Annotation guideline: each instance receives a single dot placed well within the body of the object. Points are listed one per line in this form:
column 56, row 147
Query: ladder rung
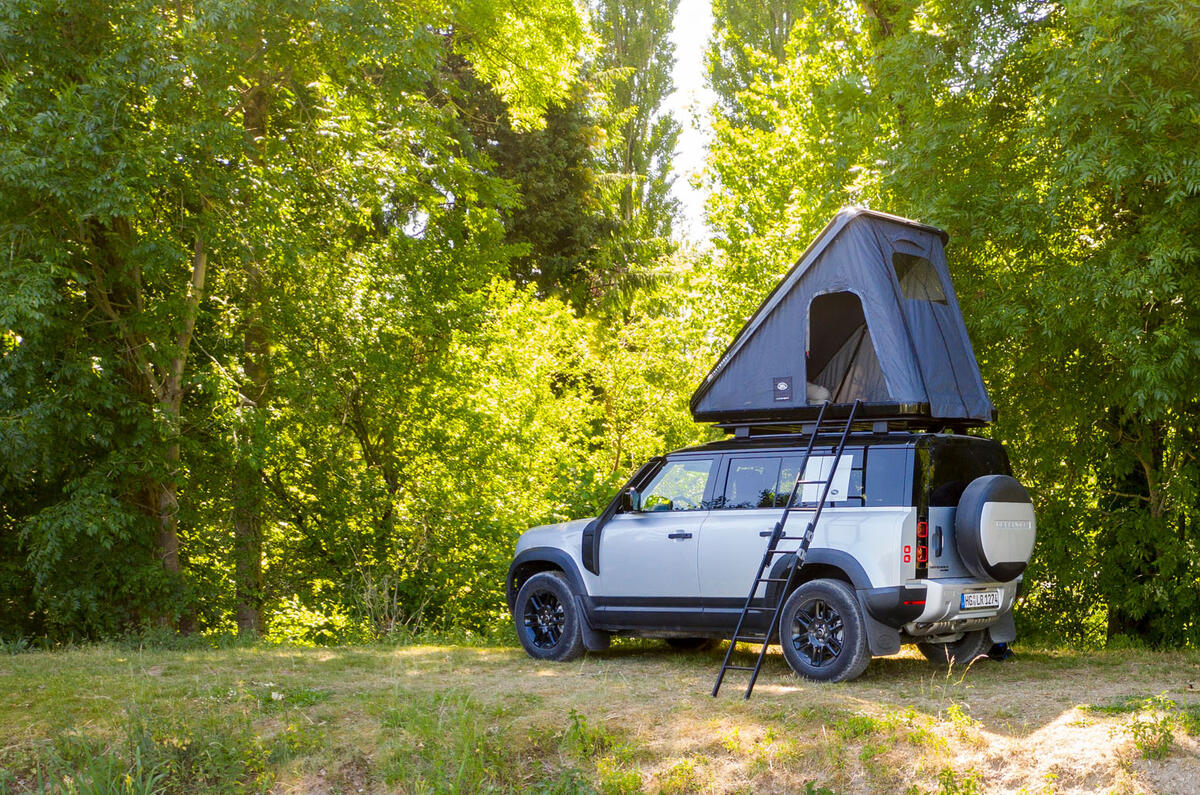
column 739, row 667
column 772, row 579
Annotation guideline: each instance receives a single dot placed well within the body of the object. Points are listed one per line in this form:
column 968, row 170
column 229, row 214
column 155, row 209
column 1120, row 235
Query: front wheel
column 960, row 652
column 548, row 622
column 822, row 632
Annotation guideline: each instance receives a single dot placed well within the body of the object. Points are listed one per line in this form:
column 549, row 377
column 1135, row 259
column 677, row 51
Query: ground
column 455, row 718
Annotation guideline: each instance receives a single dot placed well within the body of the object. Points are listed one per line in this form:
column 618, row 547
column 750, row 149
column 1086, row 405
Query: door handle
column 679, row 535
column 765, row 533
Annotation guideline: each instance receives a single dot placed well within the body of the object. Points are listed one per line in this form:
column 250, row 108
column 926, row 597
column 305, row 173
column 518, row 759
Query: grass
column 431, row 718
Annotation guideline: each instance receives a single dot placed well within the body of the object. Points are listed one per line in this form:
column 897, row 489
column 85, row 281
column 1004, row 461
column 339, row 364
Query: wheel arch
column 536, row 560
column 833, row 564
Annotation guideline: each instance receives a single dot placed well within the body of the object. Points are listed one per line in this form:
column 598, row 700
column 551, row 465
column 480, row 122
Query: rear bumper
column 943, row 611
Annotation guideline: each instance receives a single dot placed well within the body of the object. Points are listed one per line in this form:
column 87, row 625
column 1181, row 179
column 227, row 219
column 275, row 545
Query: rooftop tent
column 868, row 313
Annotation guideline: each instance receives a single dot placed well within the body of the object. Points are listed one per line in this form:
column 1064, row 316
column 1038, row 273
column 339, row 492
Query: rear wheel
column 822, row 632
column 548, row 622
column 958, row 652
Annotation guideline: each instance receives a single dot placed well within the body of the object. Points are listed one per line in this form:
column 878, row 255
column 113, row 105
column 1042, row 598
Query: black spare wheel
column 994, row 528
column 547, row 619
column 822, row 633
column 958, row 652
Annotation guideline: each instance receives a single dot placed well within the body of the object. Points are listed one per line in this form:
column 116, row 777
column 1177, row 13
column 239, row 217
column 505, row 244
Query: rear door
column 747, row 502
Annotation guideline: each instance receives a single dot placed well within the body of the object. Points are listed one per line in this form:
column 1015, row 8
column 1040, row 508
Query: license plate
column 977, row 600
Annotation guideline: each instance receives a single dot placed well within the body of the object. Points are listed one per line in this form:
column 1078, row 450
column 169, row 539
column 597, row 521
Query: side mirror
column 630, row 500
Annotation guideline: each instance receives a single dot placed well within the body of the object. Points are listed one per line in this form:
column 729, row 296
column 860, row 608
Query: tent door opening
column 842, row 363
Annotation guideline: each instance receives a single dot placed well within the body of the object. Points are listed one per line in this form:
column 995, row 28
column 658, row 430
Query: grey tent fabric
column 868, row 313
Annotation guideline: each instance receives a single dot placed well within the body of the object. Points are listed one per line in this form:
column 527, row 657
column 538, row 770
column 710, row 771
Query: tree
column 747, row 36
column 1049, row 140
column 172, row 177
column 633, row 65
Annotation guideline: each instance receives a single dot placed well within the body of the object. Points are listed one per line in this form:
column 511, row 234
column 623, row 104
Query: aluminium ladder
column 777, row 535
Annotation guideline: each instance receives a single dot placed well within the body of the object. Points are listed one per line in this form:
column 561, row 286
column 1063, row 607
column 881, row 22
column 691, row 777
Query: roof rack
column 871, row 418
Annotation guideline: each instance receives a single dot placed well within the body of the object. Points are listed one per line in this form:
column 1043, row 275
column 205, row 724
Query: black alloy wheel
column 545, row 618
column 822, row 632
column 818, row 632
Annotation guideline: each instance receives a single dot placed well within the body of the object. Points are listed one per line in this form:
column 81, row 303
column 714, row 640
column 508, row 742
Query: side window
column 918, row 278
column 888, row 477
column 847, row 487
column 678, row 486
column 751, row 483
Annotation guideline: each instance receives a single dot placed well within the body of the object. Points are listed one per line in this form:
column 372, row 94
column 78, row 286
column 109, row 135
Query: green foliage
column 950, row 783
column 1051, row 143
column 193, row 200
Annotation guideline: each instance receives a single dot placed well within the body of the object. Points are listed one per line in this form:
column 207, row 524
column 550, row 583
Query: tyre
column 959, row 652
column 547, row 618
column 693, row 644
column 994, row 528
column 822, row 632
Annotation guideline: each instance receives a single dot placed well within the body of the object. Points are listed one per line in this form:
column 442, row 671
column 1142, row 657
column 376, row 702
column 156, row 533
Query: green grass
column 419, row 717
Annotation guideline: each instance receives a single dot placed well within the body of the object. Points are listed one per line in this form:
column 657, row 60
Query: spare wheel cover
column 994, row 527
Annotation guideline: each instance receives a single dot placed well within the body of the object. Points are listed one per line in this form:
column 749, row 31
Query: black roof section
column 867, row 313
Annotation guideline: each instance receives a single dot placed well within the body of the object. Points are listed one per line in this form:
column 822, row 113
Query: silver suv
column 923, row 539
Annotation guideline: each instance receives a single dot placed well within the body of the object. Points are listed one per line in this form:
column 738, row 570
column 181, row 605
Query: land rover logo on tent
column 783, row 387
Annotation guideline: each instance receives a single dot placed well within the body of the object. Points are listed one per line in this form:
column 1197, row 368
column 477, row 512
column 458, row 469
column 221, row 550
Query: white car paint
column 731, row 547
column 639, row 558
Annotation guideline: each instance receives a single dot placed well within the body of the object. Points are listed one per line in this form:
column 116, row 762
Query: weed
column 1131, row 704
column 813, row 788
column 680, row 777
column 615, row 779
column 870, row 751
column 950, row 784
column 1154, row 729
column 585, row 740
column 1189, row 719
column 959, row 718
column 211, row 751
column 855, row 726
column 272, row 697
column 17, row 645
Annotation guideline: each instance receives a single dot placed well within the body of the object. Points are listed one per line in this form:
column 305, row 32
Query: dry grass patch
column 432, row 718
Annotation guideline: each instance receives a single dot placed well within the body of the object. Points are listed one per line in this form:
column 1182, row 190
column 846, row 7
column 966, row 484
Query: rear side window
column 847, row 487
column 949, row 465
column 888, row 482
column 750, row 483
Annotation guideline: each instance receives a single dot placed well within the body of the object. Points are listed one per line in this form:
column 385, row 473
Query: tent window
column 842, row 363
column 918, row 278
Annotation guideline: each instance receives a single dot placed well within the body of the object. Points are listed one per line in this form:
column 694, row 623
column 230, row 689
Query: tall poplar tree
column 633, row 65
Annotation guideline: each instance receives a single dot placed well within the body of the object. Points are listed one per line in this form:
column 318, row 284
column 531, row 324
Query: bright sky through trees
column 690, row 103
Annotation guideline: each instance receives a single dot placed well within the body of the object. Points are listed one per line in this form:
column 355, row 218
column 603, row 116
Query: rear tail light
column 922, row 548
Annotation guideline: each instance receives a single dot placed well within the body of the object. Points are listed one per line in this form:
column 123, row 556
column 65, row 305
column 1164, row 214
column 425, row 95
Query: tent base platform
column 880, row 417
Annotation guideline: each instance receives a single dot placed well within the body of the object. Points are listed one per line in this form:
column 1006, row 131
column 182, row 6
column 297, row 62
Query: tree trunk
column 255, row 394
column 248, row 471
